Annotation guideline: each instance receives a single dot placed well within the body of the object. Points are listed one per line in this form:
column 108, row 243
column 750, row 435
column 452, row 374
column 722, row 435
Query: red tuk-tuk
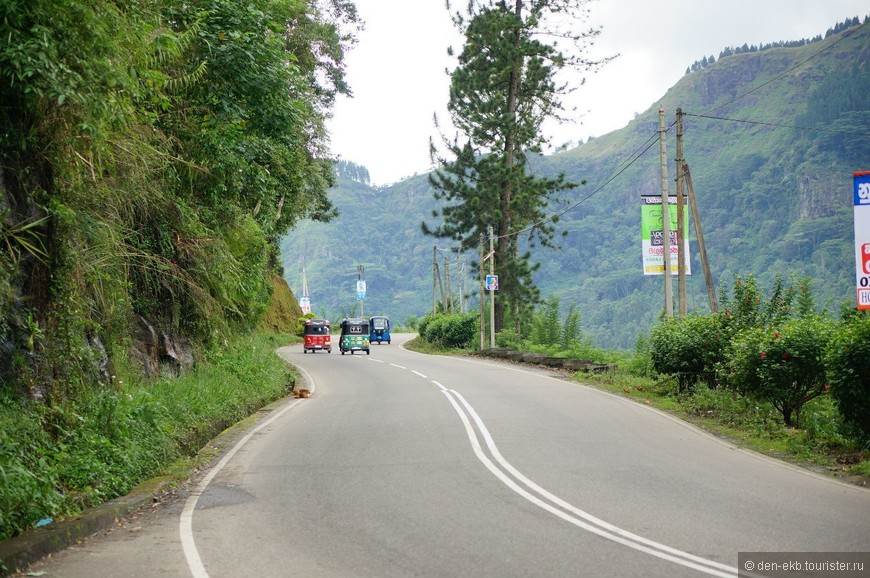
column 316, row 336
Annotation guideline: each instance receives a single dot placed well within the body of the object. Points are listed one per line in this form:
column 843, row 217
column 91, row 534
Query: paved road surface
column 402, row 464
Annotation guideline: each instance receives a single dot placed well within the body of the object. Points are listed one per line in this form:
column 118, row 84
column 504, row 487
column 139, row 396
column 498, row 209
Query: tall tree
column 504, row 87
column 152, row 154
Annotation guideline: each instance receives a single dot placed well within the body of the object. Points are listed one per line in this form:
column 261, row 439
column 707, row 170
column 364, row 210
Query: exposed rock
column 168, row 352
column 145, row 347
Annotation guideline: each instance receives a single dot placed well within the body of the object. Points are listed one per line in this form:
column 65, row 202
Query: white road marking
column 418, row 373
column 568, row 512
column 185, row 526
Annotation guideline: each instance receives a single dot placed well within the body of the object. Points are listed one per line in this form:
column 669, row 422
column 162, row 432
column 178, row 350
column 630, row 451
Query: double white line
column 516, row 481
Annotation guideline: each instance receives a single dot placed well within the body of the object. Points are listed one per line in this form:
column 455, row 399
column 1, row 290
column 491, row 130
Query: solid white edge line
column 185, row 525
column 595, row 525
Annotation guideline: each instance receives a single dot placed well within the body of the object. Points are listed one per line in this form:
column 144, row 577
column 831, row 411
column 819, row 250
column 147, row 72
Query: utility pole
column 359, row 272
column 434, row 275
column 681, row 220
column 482, row 300
column 666, row 219
column 448, row 299
column 463, row 271
column 702, row 248
column 491, row 290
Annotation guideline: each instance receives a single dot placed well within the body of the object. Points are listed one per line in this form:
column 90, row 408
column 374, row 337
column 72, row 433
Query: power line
column 648, row 144
column 630, row 160
column 780, row 125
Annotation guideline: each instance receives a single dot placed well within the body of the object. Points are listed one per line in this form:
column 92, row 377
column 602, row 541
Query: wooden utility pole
column 666, row 219
column 702, row 248
column 482, row 300
column 448, row 296
column 491, row 290
column 681, row 220
column 434, row 277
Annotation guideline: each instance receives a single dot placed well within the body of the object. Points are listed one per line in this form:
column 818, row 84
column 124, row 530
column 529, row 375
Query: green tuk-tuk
column 354, row 335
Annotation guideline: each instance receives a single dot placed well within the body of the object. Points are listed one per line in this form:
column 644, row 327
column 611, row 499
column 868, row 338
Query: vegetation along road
column 404, row 464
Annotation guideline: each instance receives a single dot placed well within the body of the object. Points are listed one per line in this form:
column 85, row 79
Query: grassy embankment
column 57, row 459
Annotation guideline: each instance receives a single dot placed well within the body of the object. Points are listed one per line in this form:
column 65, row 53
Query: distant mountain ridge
column 772, row 138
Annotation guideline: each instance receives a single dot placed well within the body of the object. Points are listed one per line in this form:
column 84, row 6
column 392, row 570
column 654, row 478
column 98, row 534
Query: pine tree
column 502, row 90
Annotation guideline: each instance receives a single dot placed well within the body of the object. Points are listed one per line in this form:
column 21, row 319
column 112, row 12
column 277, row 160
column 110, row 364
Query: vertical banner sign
column 360, row 290
column 305, row 304
column 861, row 185
column 652, row 236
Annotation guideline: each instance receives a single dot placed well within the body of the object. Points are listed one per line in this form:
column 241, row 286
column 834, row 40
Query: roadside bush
column 688, row 348
column 783, row 366
column 744, row 307
column 848, row 362
column 28, row 486
column 454, row 330
column 546, row 328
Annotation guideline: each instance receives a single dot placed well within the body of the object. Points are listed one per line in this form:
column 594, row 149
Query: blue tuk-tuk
column 379, row 327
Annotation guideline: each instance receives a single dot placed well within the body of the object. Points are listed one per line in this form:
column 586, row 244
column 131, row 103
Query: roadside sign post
column 861, row 197
column 360, row 288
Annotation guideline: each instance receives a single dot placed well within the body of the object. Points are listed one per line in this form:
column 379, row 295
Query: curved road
column 402, row 464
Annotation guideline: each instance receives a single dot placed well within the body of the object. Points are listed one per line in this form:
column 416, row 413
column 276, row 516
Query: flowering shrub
column 784, row 366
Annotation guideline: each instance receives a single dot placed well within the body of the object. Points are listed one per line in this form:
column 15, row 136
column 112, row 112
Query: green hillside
column 771, row 135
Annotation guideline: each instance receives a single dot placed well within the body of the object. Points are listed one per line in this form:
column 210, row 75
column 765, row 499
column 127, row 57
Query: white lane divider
column 558, row 507
column 185, row 525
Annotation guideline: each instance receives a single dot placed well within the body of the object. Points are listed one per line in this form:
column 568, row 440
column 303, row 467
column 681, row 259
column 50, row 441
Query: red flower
column 763, row 354
column 776, row 335
column 785, row 356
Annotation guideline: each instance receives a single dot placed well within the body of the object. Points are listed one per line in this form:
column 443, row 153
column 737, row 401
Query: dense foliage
column 55, row 461
column 455, row 330
column 778, row 350
column 848, row 363
column 151, row 156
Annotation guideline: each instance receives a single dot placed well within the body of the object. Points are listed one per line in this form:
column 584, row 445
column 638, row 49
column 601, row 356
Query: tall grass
column 57, row 460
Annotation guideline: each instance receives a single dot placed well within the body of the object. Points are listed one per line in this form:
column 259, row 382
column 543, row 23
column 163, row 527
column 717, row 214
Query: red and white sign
column 861, row 196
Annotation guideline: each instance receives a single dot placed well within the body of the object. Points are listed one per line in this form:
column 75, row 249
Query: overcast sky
column 397, row 73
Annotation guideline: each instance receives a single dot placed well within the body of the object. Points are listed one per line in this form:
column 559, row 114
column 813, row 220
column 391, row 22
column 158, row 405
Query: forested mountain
column 771, row 136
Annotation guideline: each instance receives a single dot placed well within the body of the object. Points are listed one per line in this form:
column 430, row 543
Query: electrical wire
column 640, row 151
column 779, row 125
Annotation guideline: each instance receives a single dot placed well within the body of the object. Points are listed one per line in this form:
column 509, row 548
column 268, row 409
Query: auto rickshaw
column 354, row 335
column 379, row 329
column 316, row 336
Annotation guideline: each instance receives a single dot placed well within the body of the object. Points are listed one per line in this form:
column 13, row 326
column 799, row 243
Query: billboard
column 652, row 236
column 861, row 200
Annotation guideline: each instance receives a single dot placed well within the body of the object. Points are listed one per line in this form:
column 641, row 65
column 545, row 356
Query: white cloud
column 397, row 70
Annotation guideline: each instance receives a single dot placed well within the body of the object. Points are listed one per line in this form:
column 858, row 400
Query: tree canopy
column 505, row 85
column 151, row 157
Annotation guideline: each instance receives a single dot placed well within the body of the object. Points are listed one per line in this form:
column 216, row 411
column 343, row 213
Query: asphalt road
column 402, row 464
